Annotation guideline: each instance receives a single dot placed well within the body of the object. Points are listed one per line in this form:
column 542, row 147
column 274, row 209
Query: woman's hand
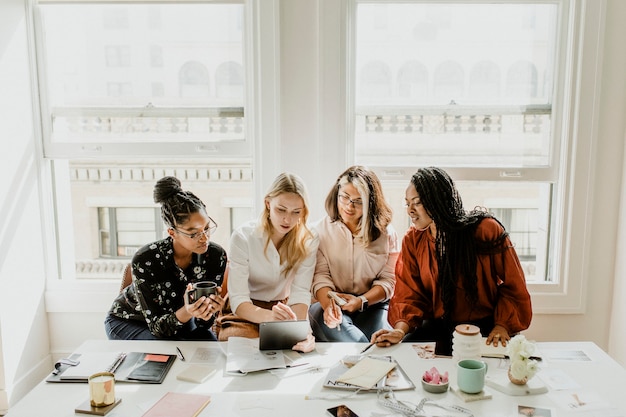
column 385, row 338
column 217, row 302
column 201, row 308
column 498, row 335
column 281, row 311
column 353, row 303
column 333, row 315
column 306, row 345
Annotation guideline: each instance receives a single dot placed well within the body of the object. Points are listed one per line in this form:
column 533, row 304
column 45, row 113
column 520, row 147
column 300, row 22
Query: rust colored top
column 502, row 292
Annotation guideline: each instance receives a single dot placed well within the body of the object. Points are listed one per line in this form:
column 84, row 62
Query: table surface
column 570, row 370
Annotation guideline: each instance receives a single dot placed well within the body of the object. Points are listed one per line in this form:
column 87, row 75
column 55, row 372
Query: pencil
column 180, row 354
column 368, row 347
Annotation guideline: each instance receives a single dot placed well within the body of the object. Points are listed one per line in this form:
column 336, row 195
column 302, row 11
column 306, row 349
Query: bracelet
column 403, row 332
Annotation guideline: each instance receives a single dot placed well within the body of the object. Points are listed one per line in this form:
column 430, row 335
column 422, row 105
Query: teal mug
column 470, row 375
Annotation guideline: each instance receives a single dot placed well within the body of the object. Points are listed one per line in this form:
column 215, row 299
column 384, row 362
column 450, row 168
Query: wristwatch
column 364, row 303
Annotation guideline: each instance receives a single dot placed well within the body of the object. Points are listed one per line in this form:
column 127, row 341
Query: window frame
column 240, row 148
column 576, row 109
column 64, row 291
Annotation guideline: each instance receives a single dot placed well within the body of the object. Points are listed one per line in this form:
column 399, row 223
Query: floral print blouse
column 159, row 285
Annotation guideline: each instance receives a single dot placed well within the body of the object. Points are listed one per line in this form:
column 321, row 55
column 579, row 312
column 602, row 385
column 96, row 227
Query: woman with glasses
column 156, row 305
column 271, row 264
column 455, row 267
column 354, row 275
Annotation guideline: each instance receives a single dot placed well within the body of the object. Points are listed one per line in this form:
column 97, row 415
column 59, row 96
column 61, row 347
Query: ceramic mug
column 471, row 375
column 101, row 389
column 201, row 288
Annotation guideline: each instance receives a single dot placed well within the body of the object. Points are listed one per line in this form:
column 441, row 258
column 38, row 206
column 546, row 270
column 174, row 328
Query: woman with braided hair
column 454, row 267
column 155, row 305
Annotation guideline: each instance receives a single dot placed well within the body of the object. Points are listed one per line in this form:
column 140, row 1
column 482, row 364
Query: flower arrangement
column 522, row 368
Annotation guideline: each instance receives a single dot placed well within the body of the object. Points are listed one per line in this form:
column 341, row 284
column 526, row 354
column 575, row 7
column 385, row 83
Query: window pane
column 116, row 198
column 523, row 209
column 454, row 84
column 105, row 62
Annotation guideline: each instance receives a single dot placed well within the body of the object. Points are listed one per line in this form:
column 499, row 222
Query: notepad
column 367, row 372
column 178, row 404
column 196, row 373
column 92, row 363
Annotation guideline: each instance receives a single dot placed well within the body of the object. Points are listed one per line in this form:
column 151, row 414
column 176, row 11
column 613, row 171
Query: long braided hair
column 456, row 244
column 176, row 205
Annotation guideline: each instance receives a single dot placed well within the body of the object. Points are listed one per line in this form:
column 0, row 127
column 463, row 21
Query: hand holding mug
column 201, row 289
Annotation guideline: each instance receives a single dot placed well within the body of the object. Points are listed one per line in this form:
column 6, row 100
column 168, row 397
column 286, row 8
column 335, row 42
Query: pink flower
column 434, row 377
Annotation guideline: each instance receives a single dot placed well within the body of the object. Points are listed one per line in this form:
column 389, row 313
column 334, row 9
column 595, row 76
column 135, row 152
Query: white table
column 270, row 394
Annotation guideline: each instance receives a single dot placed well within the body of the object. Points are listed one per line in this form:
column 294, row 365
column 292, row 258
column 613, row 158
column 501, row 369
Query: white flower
column 519, row 351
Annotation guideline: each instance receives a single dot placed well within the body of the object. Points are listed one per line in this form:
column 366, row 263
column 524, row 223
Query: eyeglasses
column 208, row 231
column 414, row 204
column 347, row 200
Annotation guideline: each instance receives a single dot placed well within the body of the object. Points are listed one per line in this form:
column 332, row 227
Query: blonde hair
column 293, row 248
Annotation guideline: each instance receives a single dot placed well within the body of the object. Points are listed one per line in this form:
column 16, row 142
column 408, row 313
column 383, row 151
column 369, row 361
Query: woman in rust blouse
column 454, row 267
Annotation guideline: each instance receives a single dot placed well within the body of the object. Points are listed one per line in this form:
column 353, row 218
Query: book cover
column 178, row 404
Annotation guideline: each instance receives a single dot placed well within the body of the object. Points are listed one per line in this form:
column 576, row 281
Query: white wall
column 601, row 275
column 616, row 33
column 23, row 327
column 310, row 111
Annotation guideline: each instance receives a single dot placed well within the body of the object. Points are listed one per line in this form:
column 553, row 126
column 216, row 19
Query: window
column 123, row 230
column 131, row 92
column 469, row 87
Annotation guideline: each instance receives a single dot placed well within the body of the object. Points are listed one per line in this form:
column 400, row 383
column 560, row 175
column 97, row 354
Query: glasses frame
column 346, row 200
column 198, row 235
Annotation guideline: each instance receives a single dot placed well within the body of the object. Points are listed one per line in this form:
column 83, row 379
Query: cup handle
column 191, row 295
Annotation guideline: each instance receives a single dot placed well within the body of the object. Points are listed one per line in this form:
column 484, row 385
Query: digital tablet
column 277, row 335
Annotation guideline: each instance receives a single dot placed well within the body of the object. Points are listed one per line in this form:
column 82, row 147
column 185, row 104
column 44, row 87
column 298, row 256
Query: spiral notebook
column 140, row 367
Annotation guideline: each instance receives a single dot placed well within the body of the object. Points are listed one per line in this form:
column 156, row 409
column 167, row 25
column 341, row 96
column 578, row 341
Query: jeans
column 355, row 327
column 120, row 329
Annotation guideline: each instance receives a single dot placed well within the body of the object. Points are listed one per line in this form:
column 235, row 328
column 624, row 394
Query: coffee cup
column 200, row 289
column 470, row 375
column 101, row 389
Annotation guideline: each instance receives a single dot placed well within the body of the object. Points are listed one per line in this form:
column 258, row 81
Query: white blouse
column 256, row 273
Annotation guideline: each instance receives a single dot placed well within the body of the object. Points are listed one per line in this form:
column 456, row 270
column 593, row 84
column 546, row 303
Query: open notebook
column 141, row 367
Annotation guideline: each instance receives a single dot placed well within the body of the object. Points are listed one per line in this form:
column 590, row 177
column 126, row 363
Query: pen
column 180, row 354
column 367, row 347
column 118, row 362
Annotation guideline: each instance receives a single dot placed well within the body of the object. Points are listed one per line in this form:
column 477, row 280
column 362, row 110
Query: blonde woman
column 272, row 261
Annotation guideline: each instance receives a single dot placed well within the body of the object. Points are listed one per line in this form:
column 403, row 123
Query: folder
column 138, row 367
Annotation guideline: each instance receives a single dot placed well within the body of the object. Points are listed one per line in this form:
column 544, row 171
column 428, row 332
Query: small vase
column 517, row 381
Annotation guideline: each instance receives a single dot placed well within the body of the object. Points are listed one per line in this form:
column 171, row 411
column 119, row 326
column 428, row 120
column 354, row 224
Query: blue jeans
column 355, row 327
column 120, row 329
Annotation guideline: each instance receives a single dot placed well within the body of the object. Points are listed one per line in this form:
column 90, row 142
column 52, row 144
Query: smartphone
column 340, row 301
column 341, row 411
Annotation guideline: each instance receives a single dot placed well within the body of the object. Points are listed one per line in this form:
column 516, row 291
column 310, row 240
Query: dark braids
column 456, row 244
column 176, row 205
